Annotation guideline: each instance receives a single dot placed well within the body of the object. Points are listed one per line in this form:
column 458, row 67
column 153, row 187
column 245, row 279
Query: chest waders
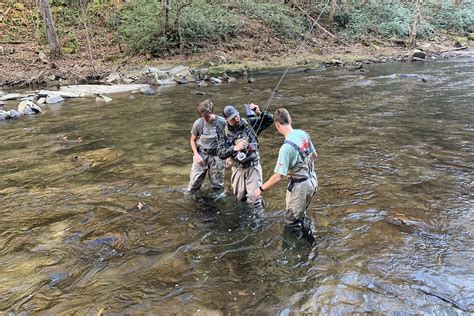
column 301, row 172
column 212, row 151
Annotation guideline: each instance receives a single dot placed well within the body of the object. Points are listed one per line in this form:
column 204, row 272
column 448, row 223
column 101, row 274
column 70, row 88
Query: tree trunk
column 165, row 13
column 332, row 11
column 55, row 49
column 412, row 37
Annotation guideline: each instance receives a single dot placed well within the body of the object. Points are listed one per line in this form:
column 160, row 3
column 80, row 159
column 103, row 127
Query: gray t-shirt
column 207, row 132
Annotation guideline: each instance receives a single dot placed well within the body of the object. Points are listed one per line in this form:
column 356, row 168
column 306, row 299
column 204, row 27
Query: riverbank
column 26, row 66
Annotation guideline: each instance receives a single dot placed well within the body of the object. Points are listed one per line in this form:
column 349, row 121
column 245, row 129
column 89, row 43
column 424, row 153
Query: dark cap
column 230, row 112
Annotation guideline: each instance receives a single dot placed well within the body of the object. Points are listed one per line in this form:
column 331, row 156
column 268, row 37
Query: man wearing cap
column 204, row 146
column 238, row 141
column 295, row 160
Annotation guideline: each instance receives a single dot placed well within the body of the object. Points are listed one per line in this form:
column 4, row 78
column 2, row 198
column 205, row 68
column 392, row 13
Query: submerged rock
column 147, row 91
column 54, row 98
column 165, row 82
column 14, row 114
column 103, row 99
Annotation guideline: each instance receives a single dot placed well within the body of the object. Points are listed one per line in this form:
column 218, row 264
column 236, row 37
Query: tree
column 55, row 49
column 412, row 37
column 165, row 12
column 332, row 11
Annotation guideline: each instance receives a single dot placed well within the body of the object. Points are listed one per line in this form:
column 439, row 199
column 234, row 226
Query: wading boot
column 308, row 231
column 303, row 229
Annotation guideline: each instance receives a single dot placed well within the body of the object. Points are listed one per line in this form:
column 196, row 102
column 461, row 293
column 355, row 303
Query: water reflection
column 394, row 210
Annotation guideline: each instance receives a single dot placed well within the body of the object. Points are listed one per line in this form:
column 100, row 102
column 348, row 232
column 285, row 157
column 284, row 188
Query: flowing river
column 394, row 210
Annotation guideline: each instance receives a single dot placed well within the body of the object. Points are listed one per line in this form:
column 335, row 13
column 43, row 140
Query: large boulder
column 418, row 55
column 27, row 108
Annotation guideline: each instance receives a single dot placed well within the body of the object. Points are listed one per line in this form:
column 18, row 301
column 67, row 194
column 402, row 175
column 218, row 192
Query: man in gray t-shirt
column 204, row 146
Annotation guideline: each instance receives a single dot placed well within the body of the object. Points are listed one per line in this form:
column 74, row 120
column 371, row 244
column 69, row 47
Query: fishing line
column 275, row 90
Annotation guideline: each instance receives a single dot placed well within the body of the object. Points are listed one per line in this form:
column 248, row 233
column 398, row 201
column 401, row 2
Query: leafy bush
column 203, row 23
column 140, row 25
column 198, row 24
column 458, row 19
column 375, row 19
column 380, row 19
column 278, row 17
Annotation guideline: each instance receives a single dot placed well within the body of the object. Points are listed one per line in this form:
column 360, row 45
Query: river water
column 394, row 210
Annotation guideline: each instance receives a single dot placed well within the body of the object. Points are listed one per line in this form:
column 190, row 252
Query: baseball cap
column 230, row 112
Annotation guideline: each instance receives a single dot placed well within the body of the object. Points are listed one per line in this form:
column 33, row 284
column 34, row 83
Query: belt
column 247, row 164
column 293, row 181
column 209, row 152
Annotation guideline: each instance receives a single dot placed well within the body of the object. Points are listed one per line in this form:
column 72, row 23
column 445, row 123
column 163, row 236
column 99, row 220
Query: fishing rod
column 275, row 90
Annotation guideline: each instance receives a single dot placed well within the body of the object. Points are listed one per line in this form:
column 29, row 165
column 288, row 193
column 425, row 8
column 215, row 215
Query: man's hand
column 255, row 108
column 258, row 193
column 229, row 162
column 241, row 145
column 198, row 159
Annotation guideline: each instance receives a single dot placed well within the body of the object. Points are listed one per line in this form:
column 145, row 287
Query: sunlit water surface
column 394, row 210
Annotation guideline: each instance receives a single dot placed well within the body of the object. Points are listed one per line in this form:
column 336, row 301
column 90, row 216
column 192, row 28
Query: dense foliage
column 394, row 19
column 141, row 26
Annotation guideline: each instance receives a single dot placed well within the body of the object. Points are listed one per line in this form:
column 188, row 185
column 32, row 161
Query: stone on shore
column 418, row 55
column 113, row 78
column 12, row 96
column 94, row 90
column 165, row 82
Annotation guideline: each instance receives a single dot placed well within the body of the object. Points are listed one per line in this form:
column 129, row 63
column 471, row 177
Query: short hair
column 205, row 107
column 282, row 116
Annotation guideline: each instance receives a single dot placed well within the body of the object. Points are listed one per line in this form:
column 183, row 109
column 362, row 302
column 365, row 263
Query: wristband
column 261, row 188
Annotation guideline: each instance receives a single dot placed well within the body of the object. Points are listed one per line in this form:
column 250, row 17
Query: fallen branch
column 319, row 25
column 455, row 49
column 29, row 81
column 12, row 42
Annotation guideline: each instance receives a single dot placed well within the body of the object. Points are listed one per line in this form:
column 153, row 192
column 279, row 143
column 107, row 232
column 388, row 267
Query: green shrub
column 374, row 19
column 198, row 25
column 140, row 25
column 202, row 23
column 394, row 20
column 459, row 19
column 278, row 17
